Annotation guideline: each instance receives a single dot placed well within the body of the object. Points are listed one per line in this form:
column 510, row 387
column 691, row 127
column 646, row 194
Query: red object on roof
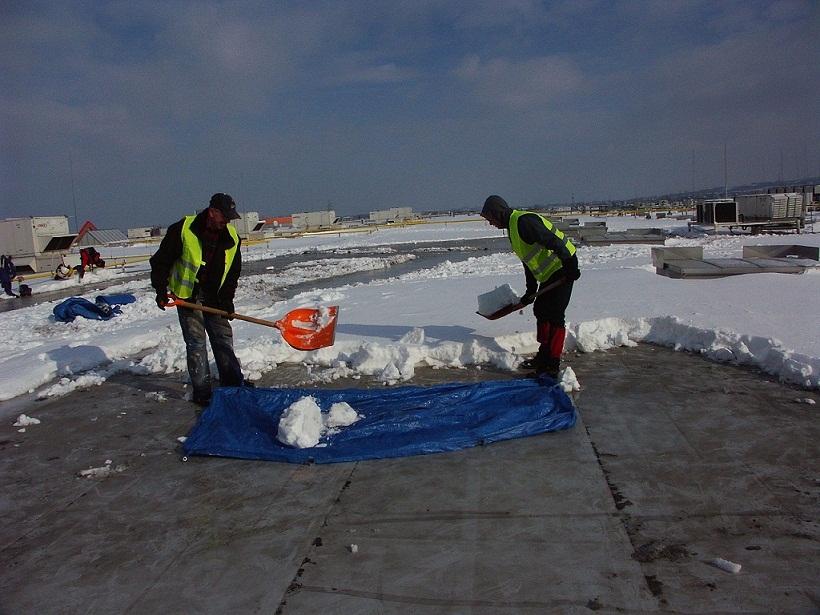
column 282, row 220
column 87, row 226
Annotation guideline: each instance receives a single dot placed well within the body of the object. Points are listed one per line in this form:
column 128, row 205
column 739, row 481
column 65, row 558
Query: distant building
column 248, row 224
column 394, row 214
column 145, row 232
column 314, row 220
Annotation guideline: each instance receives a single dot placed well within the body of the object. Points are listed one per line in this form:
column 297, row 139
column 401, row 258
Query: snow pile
column 766, row 354
column 500, row 297
column 156, row 396
column 303, row 424
column 25, row 421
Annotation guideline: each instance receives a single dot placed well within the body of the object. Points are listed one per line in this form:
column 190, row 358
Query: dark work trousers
column 194, row 325
column 552, row 305
column 550, row 315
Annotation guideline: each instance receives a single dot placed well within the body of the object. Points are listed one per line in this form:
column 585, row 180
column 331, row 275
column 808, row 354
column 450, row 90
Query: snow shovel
column 514, row 307
column 302, row 328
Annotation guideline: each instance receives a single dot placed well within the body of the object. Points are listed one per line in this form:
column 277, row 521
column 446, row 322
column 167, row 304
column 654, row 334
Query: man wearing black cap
column 548, row 256
column 199, row 261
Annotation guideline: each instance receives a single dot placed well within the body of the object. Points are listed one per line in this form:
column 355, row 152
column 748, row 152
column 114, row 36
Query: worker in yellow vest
column 199, row 261
column 548, row 256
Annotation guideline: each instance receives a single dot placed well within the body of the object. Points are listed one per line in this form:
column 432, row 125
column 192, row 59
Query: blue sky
column 292, row 106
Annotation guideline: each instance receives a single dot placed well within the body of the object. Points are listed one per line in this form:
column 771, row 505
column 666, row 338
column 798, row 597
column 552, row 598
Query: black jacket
column 170, row 250
column 532, row 230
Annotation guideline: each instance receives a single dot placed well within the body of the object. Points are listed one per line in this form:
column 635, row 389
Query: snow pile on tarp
column 397, row 422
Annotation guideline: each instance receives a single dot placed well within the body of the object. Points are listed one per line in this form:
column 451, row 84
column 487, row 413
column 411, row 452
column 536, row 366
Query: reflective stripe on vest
column 183, row 273
column 538, row 259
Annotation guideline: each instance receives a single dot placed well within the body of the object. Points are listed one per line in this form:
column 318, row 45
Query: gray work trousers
column 194, row 326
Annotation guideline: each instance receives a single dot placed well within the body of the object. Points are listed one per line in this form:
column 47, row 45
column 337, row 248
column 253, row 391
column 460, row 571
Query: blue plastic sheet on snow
column 414, row 420
column 103, row 308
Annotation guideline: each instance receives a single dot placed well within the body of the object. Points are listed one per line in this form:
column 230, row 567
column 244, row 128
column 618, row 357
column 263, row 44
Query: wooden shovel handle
column 174, row 301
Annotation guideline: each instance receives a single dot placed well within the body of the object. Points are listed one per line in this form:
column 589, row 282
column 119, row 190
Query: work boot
column 203, row 400
column 538, row 362
column 549, row 367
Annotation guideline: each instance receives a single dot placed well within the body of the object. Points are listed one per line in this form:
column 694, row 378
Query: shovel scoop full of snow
column 503, row 300
column 499, row 302
column 302, row 328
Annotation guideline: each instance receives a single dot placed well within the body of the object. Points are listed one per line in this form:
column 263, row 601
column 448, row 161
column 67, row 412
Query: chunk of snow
column 390, row 373
column 726, row 565
column 301, row 423
column 102, row 472
column 23, row 421
column 568, row 380
column 156, row 396
column 805, row 400
column 354, row 548
column 341, row 414
column 496, row 299
column 414, row 336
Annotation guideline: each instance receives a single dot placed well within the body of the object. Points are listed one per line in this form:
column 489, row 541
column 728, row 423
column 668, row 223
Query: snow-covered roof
column 102, row 237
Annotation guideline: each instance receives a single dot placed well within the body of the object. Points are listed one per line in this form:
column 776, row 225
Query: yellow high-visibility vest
column 541, row 261
column 183, row 273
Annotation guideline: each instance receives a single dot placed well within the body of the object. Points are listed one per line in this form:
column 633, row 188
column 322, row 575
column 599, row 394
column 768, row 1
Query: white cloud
column 520, row 84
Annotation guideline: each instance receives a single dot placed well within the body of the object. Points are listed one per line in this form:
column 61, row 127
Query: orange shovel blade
column 309, row 328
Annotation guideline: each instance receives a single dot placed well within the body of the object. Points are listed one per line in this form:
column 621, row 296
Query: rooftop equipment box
column 35, row 242
column 394, row 214
column 764, row 207
column 314, row 219
column 248, row 223
column 716, row 211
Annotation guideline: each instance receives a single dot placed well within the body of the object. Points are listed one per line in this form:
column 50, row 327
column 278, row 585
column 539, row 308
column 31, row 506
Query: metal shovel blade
column 309, row 328
column 302, row 328
column 507, row 309
column 514, row 307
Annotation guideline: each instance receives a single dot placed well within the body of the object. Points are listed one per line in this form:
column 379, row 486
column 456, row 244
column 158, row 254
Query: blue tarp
column 104, row 307
column 414, row 420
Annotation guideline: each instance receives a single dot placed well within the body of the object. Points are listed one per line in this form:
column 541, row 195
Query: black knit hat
column 224, row 203
column 496, row 208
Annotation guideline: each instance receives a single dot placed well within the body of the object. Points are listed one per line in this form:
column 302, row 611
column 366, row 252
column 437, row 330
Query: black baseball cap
column 224, row 203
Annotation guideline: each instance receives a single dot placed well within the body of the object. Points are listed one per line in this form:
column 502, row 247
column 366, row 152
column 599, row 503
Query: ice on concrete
column 103, row 471
column 500, row 297
column 24, row 421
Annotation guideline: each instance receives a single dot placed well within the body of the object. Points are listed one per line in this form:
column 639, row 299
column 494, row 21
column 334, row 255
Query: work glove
column 571, row 272
column 228, row 307
column 527, row 298
column 162, row 300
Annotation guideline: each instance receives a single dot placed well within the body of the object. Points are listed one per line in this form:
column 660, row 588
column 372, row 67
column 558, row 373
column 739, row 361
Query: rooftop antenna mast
column 725, row 173
column 73, row 195
column 693, row 173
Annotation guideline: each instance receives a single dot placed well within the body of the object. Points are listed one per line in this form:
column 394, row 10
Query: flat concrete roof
column 675, row 461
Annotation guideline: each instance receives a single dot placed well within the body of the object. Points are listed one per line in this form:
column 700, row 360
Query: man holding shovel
column 549, row 260
column 199, row 261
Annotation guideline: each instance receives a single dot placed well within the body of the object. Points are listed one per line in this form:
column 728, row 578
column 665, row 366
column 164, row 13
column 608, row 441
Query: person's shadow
column 73, row 360
column 439, row 333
